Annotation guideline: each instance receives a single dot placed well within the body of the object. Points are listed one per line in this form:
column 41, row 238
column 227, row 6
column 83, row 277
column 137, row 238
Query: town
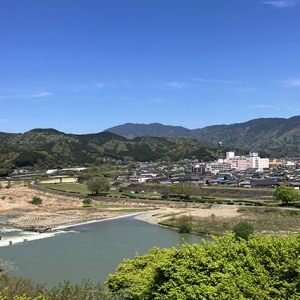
column 249, row 171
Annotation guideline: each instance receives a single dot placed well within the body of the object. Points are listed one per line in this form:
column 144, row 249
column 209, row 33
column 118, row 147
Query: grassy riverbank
column 209, row 218
column 266, row 221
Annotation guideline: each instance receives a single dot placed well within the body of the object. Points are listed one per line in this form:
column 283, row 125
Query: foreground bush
column 84, row 291
column 25, row 289
column 264, row 267
column 12, row 287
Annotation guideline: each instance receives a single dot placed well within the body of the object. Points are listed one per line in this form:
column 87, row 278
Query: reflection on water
column 89, row 251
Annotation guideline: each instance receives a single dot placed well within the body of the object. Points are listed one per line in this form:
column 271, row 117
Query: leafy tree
column 36, row 201
column 175, row 189
column 87, row 202
column 98, row 184
column 243, row 230
column 286, row 194
column 185, row 189
column 264, row 267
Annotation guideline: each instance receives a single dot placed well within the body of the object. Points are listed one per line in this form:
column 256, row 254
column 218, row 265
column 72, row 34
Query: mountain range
column 276, row 136
column 50, row 148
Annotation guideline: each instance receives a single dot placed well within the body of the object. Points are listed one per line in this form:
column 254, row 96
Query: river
column 87, row 251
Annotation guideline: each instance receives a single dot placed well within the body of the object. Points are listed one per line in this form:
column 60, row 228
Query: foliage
column 86, row 290
column 13, row 287
column 36, row 200
column 29, row 158
column 243, row 230
column 185, row 189
column 87, row 202
column 53, row 149
column 184, row 223
column 175, row 188
column 98, row 184
column 105, row 168
column 264, row 267
column 286, row 194
column 23, row 297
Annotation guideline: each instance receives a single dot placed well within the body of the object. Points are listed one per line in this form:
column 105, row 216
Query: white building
column 218, row 167
column 246, row 162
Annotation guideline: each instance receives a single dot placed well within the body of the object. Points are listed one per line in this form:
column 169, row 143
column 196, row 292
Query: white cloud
column 293, row 82
column 37, row 92
column 217, row 81
column 282, row 3
column 40, row 94
column 176, row 84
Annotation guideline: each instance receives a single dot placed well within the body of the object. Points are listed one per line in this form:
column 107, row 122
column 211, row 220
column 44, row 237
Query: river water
column 87, row 251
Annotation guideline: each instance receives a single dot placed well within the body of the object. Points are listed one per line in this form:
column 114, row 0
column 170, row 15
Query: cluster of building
column 233, row 162
column 244, row 171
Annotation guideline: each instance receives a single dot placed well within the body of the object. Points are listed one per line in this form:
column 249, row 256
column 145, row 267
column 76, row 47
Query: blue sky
column 82, row 66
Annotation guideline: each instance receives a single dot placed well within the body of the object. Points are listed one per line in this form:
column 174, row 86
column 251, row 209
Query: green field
column 67, row 187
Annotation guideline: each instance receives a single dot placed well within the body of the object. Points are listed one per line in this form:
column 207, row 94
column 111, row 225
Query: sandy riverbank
column 57, row 210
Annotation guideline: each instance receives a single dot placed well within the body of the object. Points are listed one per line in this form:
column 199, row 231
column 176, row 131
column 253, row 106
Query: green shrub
column 243, row 230
column 36, row 201
column 87, row 202
column 184, row 223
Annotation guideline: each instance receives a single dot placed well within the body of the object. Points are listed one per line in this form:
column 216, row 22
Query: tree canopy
column 98, row 184
column 185, row 189
column 264, row 267
column 286, row 194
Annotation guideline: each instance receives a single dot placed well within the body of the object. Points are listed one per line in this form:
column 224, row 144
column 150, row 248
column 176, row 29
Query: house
column 264, row 183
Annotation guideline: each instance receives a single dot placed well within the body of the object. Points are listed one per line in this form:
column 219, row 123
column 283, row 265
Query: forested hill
column 277, row 136
column 132, row 130
column 49, row 148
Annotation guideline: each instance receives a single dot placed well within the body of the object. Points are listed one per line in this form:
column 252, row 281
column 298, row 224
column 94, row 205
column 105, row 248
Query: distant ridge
column 132, row 130
column 277, row 136
column 49, row 148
